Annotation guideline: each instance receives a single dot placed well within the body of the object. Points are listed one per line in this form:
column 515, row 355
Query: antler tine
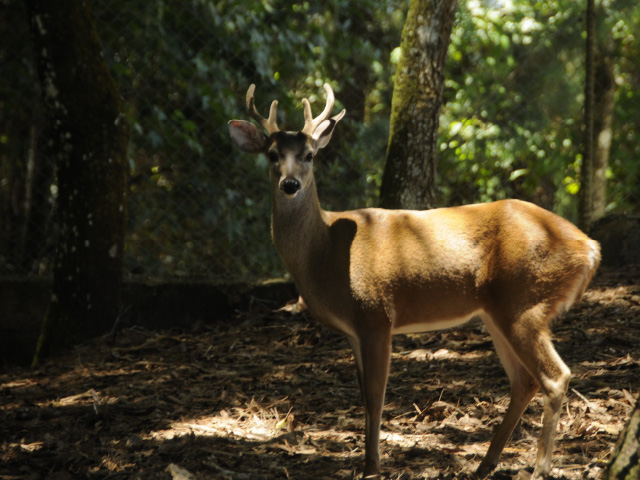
column 270, row 124
column 310, row 123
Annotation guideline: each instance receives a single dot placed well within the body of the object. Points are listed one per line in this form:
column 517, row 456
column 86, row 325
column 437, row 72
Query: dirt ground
column 267, row 395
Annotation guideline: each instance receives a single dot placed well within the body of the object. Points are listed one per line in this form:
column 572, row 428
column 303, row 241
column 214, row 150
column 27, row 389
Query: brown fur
column 371, row 273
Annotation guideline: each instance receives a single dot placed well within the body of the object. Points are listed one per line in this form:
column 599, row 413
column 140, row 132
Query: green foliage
column 197, row 205
column 624, row 173
column 511, row 126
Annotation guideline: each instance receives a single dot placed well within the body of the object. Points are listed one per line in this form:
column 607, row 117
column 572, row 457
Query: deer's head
column 290, row 153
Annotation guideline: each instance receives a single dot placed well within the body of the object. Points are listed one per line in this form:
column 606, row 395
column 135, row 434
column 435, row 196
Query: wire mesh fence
column 197, row 207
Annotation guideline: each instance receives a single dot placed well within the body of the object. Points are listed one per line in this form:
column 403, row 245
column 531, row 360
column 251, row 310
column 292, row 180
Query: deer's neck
column 299, row 229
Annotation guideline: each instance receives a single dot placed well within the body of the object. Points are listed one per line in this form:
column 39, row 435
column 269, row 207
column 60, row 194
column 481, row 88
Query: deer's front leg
column 372, row 351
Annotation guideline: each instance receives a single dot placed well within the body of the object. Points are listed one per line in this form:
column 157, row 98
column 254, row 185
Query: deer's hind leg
column 527, row 353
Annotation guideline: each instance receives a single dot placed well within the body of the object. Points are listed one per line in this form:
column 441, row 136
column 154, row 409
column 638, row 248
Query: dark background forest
column 511, row 124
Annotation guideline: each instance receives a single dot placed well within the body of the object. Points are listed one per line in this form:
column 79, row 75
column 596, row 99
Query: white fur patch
column 435, row 325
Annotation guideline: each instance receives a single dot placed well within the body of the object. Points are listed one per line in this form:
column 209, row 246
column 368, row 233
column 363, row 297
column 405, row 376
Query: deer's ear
column 247, row 136
column 323, row 133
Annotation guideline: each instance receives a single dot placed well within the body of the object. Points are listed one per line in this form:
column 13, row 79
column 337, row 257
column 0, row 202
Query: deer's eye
column 309, row 157
column 273, row 157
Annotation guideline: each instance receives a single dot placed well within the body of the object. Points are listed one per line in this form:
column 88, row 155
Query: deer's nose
column 290, row 186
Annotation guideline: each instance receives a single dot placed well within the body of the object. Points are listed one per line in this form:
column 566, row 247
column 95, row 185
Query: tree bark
column 409, row 175
column 604, row 104
column 625, row 463
column 585, row 199
column 89, row 138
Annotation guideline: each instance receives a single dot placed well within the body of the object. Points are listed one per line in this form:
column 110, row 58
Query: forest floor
column 267, row 395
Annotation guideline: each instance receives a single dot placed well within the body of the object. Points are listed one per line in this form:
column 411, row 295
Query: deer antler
column 270, row 124
column 310, row 123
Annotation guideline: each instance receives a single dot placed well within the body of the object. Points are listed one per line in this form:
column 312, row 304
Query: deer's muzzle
column 290, row 185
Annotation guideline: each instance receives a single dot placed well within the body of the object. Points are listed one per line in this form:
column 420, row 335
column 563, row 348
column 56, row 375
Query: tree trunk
column 585, row 199
column 625, row 463
column 604, row 104
column 89, row 141
column 409, row 175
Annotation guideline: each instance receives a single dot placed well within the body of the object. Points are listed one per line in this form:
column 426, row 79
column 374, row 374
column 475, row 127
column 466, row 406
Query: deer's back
column 450, row 263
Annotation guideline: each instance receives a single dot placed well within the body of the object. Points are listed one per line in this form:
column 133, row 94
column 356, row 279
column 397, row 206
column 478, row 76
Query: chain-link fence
column 197, row 207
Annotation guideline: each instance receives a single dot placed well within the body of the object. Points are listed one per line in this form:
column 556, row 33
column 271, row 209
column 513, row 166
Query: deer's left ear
column 323, row 133
column 247, row 136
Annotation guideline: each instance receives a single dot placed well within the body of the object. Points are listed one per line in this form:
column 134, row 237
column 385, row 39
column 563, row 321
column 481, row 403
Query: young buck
column 372, row 273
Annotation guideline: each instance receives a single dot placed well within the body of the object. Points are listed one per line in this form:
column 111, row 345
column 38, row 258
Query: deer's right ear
column 247, row 136
column 323, row 133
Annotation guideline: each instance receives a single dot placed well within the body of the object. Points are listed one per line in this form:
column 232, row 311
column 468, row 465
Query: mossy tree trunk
column 89, row 140
column 625, row 464
column 409, row 175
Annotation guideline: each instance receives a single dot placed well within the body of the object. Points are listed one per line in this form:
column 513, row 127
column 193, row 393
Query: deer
column 373, row 273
